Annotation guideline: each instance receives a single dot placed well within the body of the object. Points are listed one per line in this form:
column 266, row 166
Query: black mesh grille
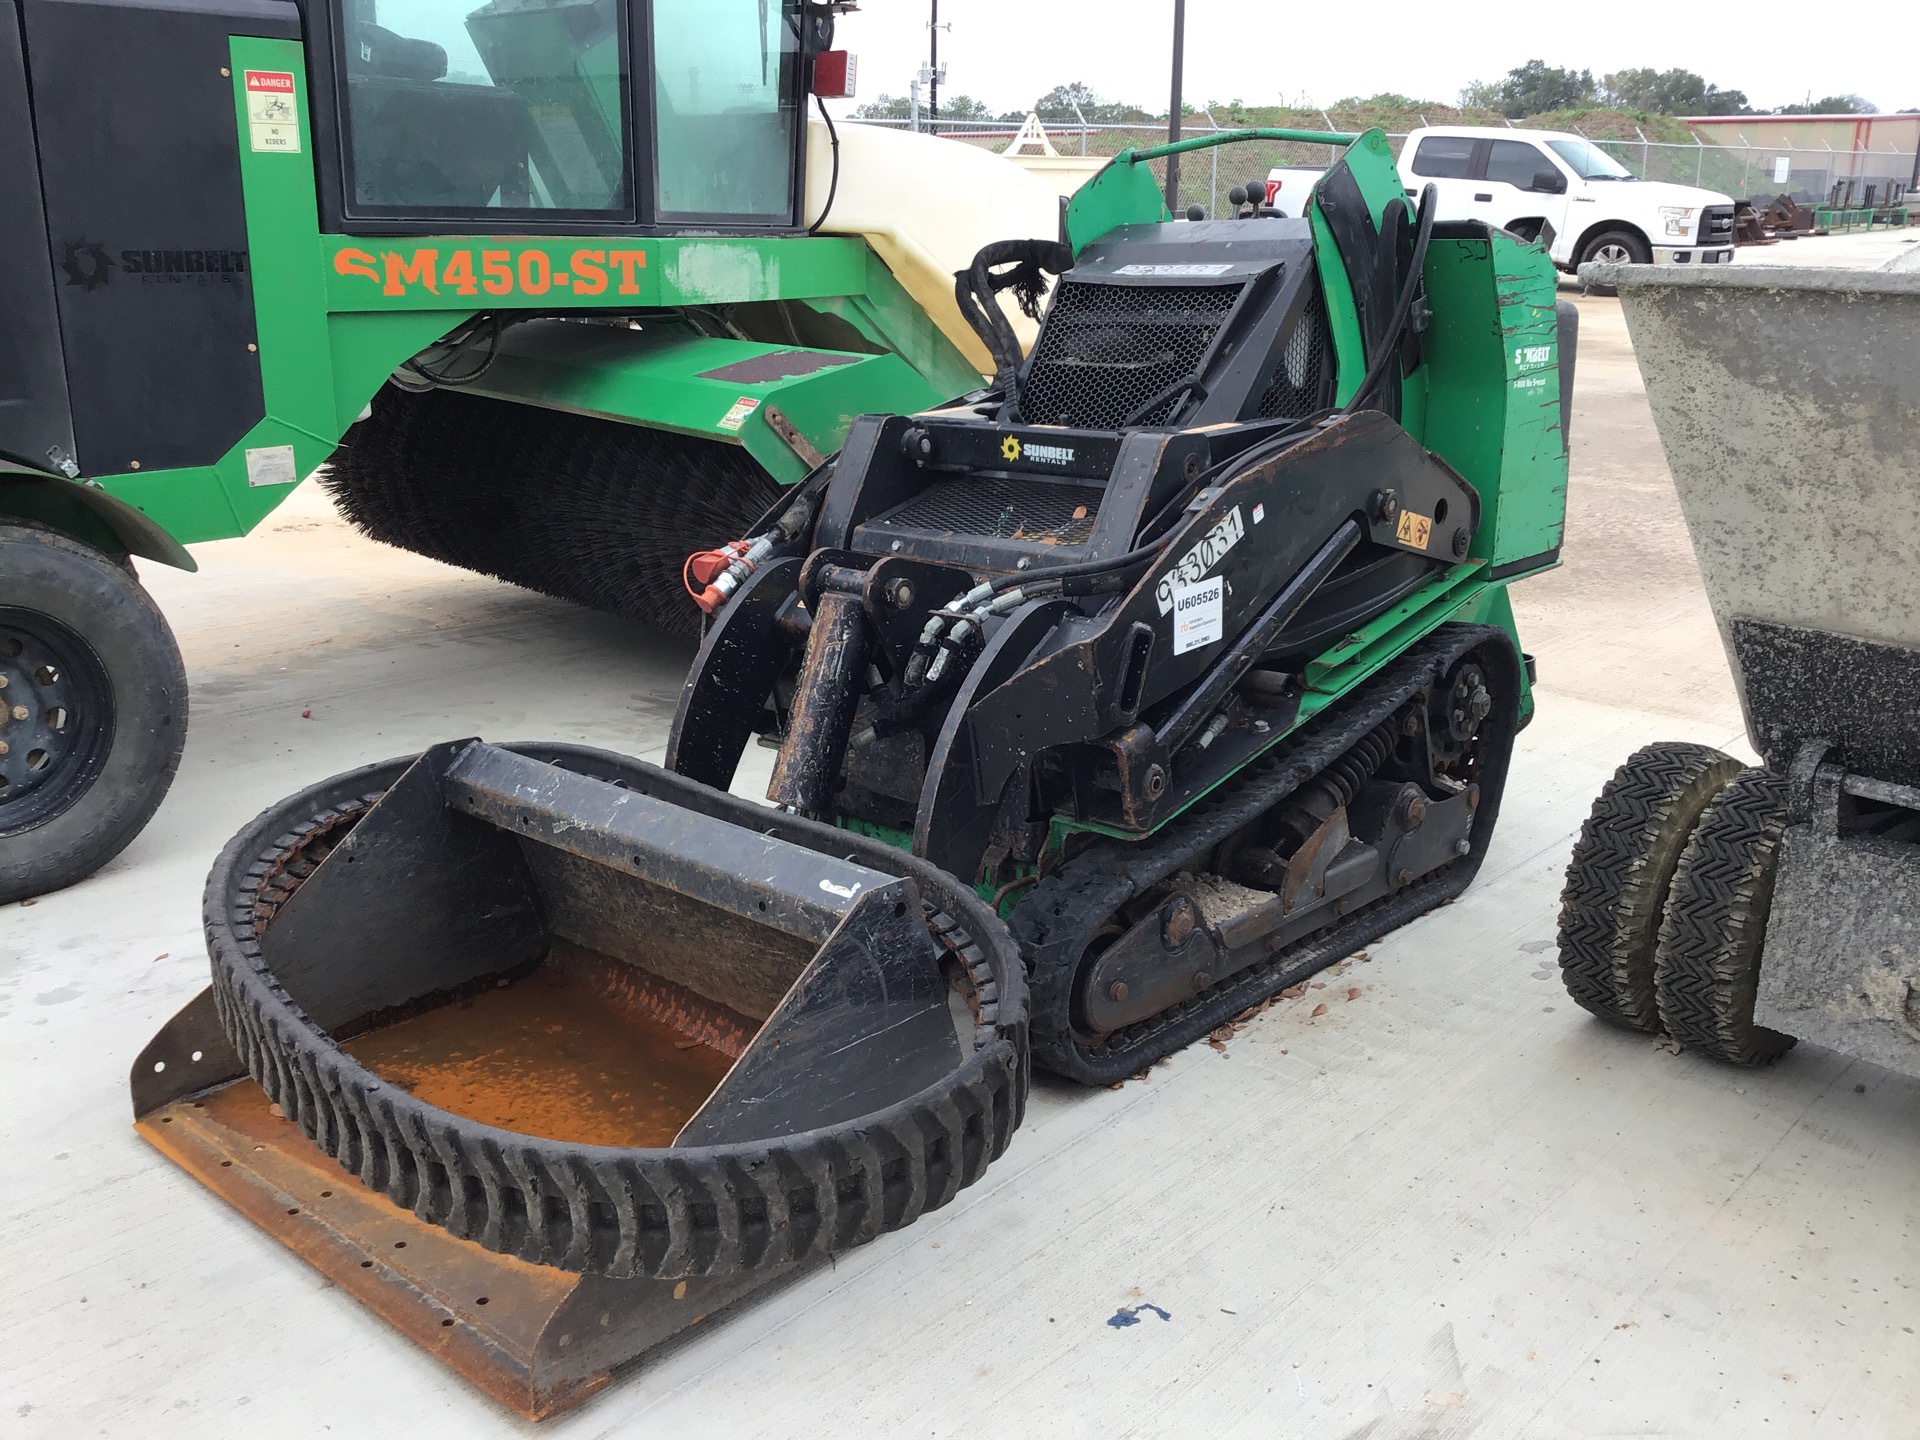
column 1005, row 509
column 1107, row 350
column 1300, row 382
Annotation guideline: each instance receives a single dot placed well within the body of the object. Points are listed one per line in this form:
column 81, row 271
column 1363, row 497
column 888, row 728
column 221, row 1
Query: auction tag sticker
column 1199, row 614
column 737, row 415
column 271, row 116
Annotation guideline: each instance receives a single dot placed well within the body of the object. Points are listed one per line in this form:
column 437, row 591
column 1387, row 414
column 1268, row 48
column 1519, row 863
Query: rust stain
column 582, row 1049
column 414, row 1275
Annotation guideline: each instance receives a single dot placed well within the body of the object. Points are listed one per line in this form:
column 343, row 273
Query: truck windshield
column 1589, row 162
column 513, row 105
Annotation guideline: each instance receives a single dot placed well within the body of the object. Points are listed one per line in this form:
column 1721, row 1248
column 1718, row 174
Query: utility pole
column 1173, row 111
column 933, row 65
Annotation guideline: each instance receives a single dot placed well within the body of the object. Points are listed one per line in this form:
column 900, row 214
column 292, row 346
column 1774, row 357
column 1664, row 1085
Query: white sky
column 1008, row 52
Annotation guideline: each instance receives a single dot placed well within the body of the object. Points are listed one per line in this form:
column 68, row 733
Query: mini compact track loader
column 1109, row 700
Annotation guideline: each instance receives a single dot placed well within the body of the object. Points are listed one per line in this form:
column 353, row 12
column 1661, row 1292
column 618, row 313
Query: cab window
column 1444, row 157
column 726, row 92
column 1514, row 162
column 511, row 105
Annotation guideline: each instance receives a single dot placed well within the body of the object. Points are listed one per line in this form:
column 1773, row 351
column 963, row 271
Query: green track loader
column 1112, row 698
column 563, row 290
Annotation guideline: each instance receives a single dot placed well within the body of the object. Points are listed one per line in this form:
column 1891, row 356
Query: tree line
column 1058, row 104
column 1535, row 88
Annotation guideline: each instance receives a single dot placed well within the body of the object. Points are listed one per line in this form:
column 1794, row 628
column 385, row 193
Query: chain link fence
column 1839, row 178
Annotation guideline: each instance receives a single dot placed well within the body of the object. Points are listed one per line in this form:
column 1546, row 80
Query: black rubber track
column 625, row 1213
column 1060, row 917
column 1707, row 968
column 1617, row 880
column 573, row 506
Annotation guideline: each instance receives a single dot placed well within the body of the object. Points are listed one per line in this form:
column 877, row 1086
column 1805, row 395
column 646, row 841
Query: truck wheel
column 1707, row 967
column 1613, row 247
column 1622, row 865
column 93, row 710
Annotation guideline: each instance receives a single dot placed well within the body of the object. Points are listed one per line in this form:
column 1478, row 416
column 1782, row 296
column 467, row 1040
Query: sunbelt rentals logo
column 1014, row 448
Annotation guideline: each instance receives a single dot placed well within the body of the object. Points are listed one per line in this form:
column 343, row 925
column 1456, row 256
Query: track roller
column 1707, row 965
column 1618, row 878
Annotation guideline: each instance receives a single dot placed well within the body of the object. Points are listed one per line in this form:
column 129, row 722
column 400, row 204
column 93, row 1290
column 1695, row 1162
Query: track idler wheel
column 1622, row 867
column 1706, row 969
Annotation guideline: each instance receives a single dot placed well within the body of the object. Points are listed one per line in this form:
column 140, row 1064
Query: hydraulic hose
column 1403, row 307
column 833, row 188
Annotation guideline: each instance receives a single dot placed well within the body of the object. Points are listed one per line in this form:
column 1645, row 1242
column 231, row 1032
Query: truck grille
column 1107, row 350
column 1716, row 225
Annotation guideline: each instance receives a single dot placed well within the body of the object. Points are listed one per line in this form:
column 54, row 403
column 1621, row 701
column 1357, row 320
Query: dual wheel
column 1665, row 908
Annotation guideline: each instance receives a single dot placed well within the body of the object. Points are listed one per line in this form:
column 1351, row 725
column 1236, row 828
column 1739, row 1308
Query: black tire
column 1620, row 247
column 1622, row 866
column 88, row 656
column 1707, row 968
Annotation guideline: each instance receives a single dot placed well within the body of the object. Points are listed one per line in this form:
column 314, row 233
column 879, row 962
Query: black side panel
column 35, row 428
column 139, row 154
column 1372, row 262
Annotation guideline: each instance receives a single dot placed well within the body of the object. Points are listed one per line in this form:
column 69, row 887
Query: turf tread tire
column 1620, row 871
column 1707, row 966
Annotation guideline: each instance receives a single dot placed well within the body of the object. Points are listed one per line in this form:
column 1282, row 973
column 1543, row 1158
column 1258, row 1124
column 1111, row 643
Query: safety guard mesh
column 1106, row 350
column 1004, row 509
column 1300, row 382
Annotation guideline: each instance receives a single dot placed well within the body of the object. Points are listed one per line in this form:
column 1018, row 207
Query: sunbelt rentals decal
column 1014, row 448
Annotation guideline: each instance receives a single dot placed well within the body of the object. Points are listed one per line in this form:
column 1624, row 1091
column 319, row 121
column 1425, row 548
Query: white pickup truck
column 1542, row 181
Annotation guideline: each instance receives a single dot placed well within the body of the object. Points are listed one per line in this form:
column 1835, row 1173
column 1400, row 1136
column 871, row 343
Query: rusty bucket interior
column 543, row 952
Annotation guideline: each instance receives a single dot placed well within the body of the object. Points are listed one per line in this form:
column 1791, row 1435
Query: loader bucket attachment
column 545, row 1054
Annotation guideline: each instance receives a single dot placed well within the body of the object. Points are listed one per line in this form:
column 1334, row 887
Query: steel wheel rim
column 56, row 718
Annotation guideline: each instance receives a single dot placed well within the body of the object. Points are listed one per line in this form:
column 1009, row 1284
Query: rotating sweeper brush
column 1185, row 645
column 607, row 524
